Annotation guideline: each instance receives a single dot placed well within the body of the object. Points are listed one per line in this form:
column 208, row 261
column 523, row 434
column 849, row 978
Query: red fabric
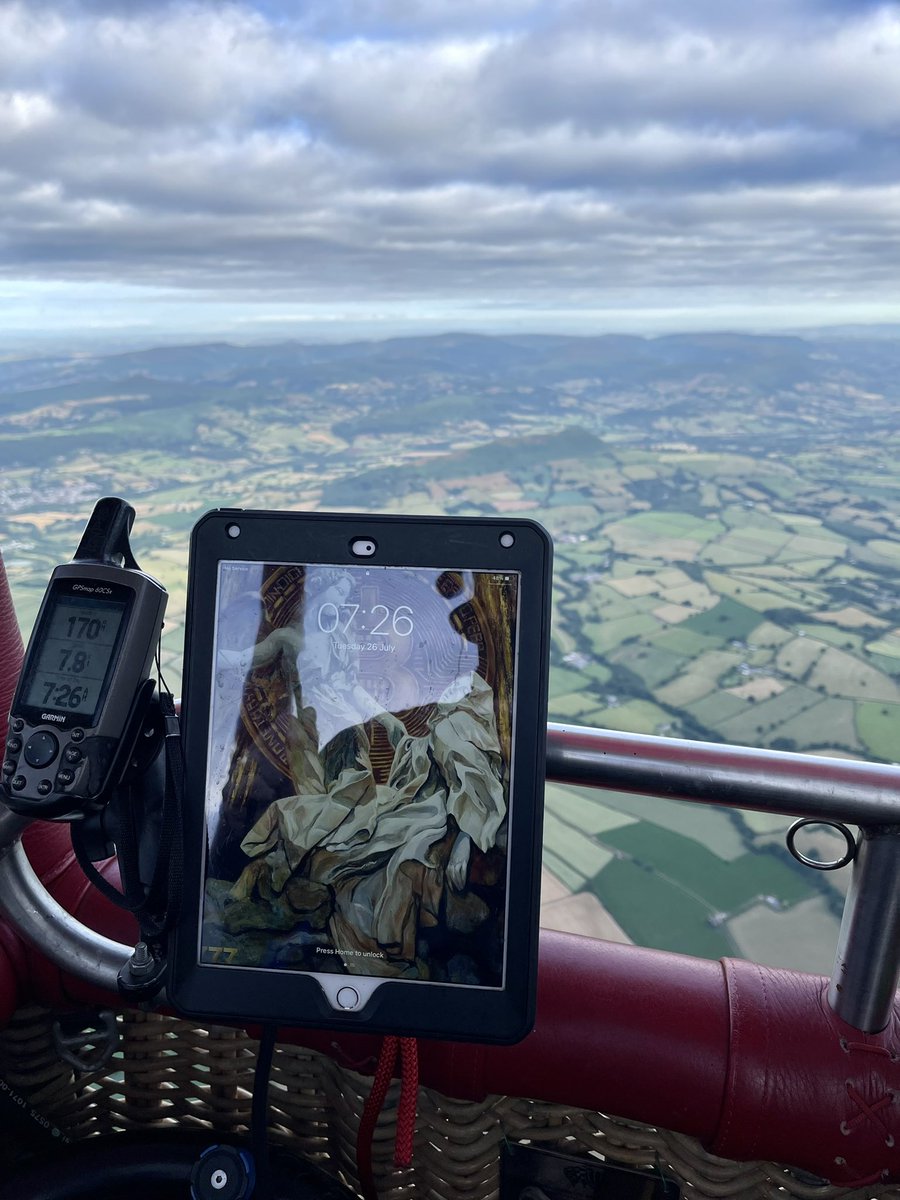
column 12, row 953
column 11, row 650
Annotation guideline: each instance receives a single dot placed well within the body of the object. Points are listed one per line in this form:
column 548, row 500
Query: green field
column 886, row 647
column 686, row 643
column 653, row 665
column 722, row 885
column 830, row 723
column 657, row 913
column 716, row 707
column 583, row 854
column 878, row 726
column 760, row 723
column 563, row 681
column 727, row 620
column 606, row 635
column 634, row 716
column 571, row 706
column 711, row 827
column 589, row 810
column 843, row 674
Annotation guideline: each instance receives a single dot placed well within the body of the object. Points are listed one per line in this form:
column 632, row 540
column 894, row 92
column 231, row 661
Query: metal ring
column 834, row 864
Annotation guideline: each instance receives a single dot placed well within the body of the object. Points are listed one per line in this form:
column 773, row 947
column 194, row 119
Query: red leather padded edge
column 11, row 649
column 801, row 1081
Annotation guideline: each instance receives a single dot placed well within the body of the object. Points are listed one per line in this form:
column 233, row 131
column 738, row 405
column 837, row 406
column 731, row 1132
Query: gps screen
column 76, row 647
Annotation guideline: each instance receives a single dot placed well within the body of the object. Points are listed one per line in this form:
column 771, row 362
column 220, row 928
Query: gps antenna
column 105, row 537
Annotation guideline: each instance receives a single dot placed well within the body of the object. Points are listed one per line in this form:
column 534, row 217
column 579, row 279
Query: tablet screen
column 358, row 771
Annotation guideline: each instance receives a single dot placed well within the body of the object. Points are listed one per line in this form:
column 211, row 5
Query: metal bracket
column 87, row 1040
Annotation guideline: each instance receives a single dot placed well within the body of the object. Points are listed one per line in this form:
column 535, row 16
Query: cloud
column 559, row 153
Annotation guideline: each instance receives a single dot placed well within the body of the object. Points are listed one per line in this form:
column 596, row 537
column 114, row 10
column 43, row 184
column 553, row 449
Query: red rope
column 406, row 1111
column 374, row 1101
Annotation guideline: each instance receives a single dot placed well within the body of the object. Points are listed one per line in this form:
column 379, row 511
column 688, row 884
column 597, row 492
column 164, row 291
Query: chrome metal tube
column 27, row 904
column 802, row 785
column 867, row 962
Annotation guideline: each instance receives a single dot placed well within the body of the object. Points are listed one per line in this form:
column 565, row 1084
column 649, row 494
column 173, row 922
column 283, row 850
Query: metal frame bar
column 867, row 962
column 801, row 785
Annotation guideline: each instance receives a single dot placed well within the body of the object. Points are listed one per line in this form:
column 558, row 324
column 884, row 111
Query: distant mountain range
column 622, row 360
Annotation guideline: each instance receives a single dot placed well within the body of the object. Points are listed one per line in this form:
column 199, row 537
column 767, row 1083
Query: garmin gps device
column 85, row 680
column 365, row 725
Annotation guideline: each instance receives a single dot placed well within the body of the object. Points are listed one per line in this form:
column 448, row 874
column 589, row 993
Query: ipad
column 364, row 718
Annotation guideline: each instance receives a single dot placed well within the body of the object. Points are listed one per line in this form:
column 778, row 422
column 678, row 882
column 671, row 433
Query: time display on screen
column 381, row 620
column 76, row 650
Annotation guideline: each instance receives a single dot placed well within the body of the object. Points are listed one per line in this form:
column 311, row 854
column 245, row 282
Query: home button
column 347, row 998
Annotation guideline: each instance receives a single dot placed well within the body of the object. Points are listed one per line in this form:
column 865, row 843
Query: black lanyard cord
column 155, row 904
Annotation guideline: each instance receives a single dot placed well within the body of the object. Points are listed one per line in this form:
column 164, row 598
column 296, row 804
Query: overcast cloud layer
column 450, row 158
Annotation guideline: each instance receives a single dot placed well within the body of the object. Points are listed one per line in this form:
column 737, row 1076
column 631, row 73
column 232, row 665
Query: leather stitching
column 734, row 1005
column 868, row 1112
column 767, row 1078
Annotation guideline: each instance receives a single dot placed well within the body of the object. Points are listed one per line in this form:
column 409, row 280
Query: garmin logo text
column 101, row 591
column 58, row 717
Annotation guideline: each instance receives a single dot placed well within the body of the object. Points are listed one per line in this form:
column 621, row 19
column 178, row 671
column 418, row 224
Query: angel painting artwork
column 359, row 815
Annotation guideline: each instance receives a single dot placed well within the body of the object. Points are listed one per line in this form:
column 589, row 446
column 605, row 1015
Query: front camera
column 233, row 531
column 363, row 547
column 507, row 540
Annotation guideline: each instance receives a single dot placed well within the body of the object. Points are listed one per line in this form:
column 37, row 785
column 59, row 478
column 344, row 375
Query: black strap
column 164, row 895
column 154, row 905
column 125, row 898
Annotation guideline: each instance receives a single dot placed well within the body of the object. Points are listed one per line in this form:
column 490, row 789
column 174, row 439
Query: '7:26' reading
column 64, row 695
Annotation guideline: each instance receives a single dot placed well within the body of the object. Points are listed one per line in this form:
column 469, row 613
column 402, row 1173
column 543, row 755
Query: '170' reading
column 86, row 627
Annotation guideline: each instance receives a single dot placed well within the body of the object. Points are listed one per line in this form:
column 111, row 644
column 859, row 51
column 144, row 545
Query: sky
column 337, row 168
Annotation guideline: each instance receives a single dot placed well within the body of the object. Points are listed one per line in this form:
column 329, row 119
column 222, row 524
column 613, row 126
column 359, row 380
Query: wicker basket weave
column 169, row 1072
